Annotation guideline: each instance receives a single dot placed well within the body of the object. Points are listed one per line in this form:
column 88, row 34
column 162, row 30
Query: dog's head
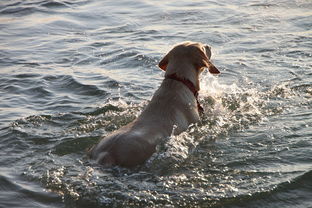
column 196, row 54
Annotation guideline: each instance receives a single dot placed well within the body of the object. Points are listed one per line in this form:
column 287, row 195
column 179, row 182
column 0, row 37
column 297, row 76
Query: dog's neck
column 189, row 84
column 184, row 71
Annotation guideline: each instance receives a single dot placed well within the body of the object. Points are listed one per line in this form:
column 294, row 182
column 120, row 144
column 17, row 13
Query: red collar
column 189, row 85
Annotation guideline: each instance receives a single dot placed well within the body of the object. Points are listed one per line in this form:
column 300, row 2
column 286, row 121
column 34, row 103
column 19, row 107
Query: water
column 72, row 71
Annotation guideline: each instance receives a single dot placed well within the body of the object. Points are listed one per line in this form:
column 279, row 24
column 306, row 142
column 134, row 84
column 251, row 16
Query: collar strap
column 189, row 85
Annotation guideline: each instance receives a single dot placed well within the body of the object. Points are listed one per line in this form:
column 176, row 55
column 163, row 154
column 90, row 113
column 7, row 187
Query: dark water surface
column 72, row 71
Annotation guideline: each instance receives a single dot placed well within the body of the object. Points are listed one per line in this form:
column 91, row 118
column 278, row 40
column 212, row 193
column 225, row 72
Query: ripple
column 72, row 71
column 70, row 84
column 28, row 194
column 53, row 4
column 19, row 10
column 285, row 193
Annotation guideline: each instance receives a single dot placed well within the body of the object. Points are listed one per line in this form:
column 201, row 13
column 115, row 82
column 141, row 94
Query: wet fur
column 173, row 104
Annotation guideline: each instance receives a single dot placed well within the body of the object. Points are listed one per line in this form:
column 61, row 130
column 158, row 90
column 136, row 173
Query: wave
column 295, row 192
column 26, row 8
column 25, row 194
column 182, row 165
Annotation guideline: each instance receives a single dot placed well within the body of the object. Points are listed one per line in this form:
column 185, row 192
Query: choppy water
column 71, row 71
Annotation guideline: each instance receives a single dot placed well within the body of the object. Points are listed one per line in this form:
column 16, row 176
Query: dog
column 171, row 110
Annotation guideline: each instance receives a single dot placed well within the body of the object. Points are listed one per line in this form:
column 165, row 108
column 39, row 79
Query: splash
column 227, row 108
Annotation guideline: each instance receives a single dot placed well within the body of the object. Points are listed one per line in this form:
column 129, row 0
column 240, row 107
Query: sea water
column 72, row 71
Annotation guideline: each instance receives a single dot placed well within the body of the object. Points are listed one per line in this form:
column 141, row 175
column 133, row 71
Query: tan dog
column 172, row 109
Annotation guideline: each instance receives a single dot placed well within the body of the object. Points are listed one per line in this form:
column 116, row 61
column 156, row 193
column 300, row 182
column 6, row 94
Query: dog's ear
column 203, row 61
column 200, row 59
column 164, row 62
column 212, row 69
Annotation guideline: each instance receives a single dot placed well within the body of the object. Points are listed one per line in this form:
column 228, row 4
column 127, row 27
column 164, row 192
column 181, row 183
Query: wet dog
column 172, row 109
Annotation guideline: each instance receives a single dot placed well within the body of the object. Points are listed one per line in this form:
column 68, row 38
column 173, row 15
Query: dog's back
column 136, row 142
